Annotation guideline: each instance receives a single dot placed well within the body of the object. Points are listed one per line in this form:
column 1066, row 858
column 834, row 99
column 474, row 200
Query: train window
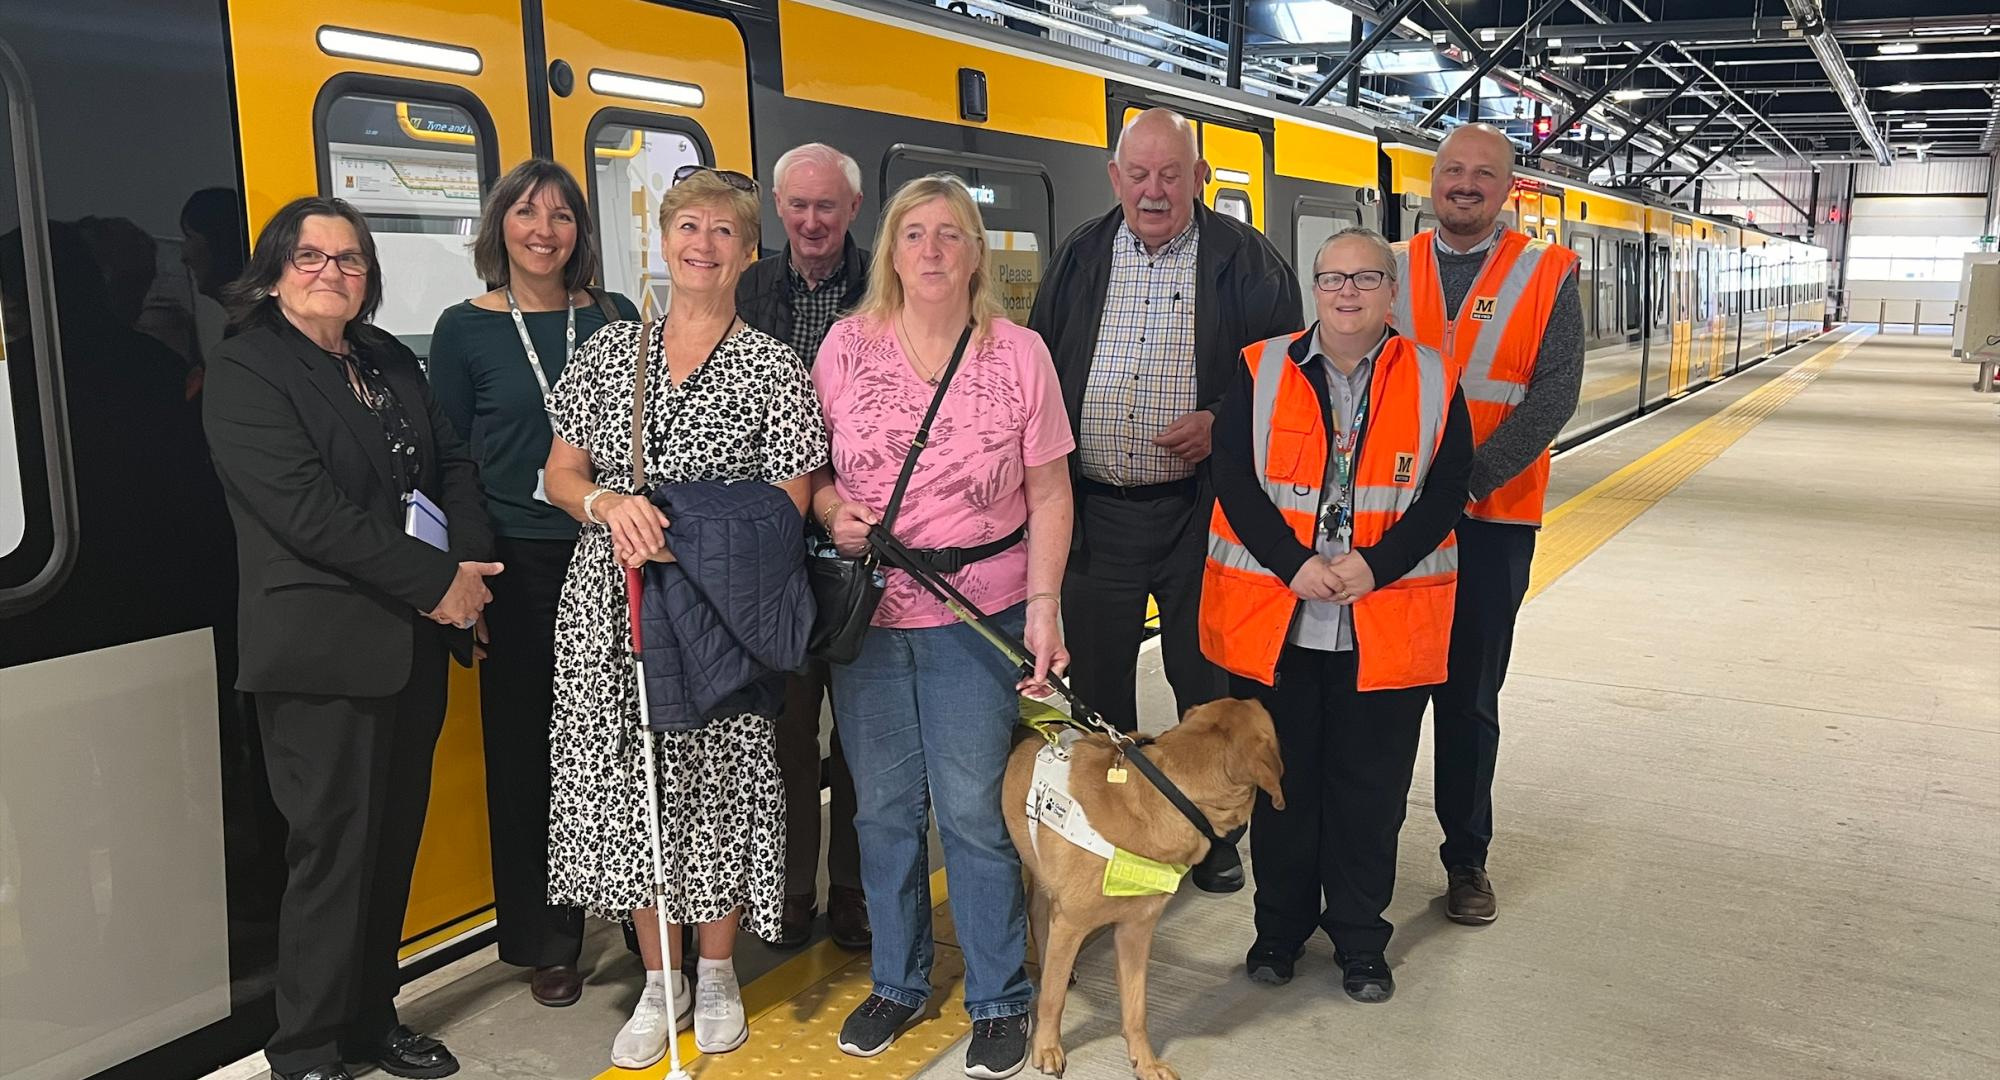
column 633, row 158
column 416, row 169
column 1628, row 281
column 1233, row 203
column 1703, row 291
column 1586, row 279
column 1659, row 278
column 1017, row 201
column 1314, row 221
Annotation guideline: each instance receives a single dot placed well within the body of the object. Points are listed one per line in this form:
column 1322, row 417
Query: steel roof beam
column 1507, row 44
column 1812, row 22
column 1711, row 159
column 1624, row 75
column 1352, row 61
column 1686, row 137
column 1802, row 211
column 1655, row 114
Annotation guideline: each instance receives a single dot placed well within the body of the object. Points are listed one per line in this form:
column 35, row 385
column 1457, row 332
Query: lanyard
column 528, row 344
column 1337, row 517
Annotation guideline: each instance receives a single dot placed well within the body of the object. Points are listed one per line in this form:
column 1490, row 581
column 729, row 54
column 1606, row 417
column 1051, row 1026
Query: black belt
column 1170, row 489
column 952, row 560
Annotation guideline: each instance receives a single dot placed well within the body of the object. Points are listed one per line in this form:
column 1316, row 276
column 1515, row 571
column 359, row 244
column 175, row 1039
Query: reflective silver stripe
column 1264, row 401
column 1234, row 556
column 1477, row 378
column 1384, row 498
column 1432, row 399
column 1442, row 561
column 1401, row 315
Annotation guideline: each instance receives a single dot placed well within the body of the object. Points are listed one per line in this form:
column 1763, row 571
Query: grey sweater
column 1552, row 389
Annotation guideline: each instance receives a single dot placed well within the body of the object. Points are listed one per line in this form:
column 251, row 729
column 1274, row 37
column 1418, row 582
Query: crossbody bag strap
column 639, row 408
column 923, row 432
column 604, row 305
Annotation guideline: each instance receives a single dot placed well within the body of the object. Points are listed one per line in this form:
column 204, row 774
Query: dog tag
column 1116, row 773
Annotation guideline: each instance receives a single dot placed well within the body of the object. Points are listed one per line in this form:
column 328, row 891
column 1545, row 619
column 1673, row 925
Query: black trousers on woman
column 352, row 777
column 1328, row 860
column 516, row 695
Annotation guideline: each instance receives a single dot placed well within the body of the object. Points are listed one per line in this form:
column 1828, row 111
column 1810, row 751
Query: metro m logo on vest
column 1406, row 467
column 1484, row 306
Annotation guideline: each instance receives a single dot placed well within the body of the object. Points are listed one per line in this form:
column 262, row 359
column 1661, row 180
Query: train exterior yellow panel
column 631, row 37
column 1316, row 153
column 1595, row 208
column 1410, row 169
column 279, row 70
column 1239, row 152
column 1659, row 222
column 842, row 59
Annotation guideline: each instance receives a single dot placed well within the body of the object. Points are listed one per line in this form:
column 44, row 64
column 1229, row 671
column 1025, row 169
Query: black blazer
column 330, row 588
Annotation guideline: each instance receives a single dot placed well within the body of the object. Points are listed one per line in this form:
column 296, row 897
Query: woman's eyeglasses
column 1365, row 280
column 312, row 261
column 728, row 176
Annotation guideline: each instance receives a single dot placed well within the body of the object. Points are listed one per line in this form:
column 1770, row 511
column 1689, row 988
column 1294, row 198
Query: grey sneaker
column 1469, row 897
column 999, row 1047
column 873, row 1025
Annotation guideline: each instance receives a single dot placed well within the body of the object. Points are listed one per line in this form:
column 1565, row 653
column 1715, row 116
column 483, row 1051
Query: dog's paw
column 1155, row 1070
column 1048, row 1056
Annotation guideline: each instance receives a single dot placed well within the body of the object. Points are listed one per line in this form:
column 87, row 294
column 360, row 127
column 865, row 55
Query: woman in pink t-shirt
column 927, row 711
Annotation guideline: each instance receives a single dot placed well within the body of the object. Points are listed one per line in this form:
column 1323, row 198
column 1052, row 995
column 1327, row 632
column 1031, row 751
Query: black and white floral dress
column 748, row 413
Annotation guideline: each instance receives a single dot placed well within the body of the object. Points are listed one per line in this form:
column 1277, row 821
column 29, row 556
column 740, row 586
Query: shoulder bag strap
column 923, row 433
column 639, row 408
column 604, row 304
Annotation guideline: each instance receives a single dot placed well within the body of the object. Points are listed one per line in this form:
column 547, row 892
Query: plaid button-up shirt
column 814, row 310
column 1142, row 373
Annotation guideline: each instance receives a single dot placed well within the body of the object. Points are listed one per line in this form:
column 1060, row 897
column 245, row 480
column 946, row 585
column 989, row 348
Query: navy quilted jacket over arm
column 733, row 611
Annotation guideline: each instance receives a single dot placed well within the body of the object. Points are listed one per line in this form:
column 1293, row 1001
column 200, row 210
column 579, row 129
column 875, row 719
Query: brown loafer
column 847, row 918
column 795, row 924
column 1469, row 898
column 556, row 986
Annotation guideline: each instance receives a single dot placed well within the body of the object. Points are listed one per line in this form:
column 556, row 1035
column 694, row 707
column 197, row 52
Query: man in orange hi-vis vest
column 1502, row 307
column 1342, row 456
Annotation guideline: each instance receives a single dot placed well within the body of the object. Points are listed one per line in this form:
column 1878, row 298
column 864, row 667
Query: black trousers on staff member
column 799, row 766
column 352, row 777
column 1493, row 565
column 1328, row 860
column 516, row 695
column 1137, row 541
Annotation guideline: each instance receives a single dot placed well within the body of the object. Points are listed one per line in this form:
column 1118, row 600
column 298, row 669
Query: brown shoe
column 1469, row 898
column 847, row 917
column 795, row 926
column 556, row 986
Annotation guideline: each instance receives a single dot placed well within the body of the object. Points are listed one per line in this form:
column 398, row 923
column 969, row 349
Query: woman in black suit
column 324, row 433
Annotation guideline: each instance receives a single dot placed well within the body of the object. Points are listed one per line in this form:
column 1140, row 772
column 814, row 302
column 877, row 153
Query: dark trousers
column 1132, row 547
column 1328, row 859
column 352, row 777
column 1493, row 564
column 799, row 765
column 516, row 696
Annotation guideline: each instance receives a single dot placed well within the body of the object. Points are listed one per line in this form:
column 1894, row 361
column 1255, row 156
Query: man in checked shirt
column 1145, row 312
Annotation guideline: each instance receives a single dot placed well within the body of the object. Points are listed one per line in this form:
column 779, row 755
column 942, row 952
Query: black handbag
column 846, row 591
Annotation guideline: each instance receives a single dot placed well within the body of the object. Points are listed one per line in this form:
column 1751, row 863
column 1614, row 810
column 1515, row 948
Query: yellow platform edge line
column 1575, row 529
column 765, row 995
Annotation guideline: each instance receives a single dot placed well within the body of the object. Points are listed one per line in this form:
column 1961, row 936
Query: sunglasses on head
column 728, row 176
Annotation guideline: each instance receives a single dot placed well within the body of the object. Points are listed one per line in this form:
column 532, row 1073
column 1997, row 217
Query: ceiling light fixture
column 1627, row 95
column 1127, row 11
column 1395, row 99
column 1914, row 125
column 1683, row 127
column 1901, row 87
column 1301, row 69
column 1898, row 48
column 1567, row 60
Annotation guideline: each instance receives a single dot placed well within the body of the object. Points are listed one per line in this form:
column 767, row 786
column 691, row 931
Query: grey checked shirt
column 1142, row 373
column 814, row 310
column 1321, row 624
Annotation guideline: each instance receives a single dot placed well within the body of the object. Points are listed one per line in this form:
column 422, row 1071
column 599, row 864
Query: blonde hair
column 707, row 189
column 884, row 298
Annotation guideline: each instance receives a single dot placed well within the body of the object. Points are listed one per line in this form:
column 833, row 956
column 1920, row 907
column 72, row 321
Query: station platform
column 1746, row 807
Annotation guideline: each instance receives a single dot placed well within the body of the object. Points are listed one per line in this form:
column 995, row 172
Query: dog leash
column 893, row 552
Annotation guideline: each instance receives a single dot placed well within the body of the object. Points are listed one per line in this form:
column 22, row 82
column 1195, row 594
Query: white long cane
column 633, row 591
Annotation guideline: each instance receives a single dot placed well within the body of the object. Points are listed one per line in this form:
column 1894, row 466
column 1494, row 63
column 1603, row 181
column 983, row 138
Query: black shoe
column 1366, row 978
column 1221, row 871
column 1271, row 964
column 873, row 1025
column 405, row 1053
column 999, row 1047
column 324, row 1072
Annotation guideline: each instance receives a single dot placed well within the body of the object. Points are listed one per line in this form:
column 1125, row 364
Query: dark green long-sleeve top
column 479, row 373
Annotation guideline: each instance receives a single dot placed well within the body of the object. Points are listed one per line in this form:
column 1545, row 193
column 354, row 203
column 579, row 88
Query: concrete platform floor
column 1748, row 802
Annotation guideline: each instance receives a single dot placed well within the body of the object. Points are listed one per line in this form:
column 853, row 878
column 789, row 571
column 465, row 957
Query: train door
column 626, row 113
column 409, row 121
column 1681, row 289
column 1235, row 172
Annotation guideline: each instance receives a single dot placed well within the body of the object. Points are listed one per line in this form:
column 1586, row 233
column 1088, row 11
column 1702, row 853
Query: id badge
column 541, row 486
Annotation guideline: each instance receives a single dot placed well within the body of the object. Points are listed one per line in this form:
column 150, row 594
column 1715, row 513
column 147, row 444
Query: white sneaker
column 643, row 1039
column 719, row 1023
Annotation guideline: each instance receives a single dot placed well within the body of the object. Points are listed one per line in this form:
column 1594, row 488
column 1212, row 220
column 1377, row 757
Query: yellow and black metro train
column 143, row 141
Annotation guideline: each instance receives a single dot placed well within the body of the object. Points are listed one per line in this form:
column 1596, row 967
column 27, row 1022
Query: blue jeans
column 927, row 719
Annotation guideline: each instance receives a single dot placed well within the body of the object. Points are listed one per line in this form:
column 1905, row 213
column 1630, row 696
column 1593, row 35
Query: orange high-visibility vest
column 1402, row 630
column 1492, row 344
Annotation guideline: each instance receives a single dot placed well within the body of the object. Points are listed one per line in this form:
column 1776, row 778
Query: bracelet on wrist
column 1052, row 598
column 589, row 513
column 832, row 508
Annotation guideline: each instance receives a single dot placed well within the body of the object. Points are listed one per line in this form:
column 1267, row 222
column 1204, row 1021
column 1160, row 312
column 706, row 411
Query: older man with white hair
column 795, row 296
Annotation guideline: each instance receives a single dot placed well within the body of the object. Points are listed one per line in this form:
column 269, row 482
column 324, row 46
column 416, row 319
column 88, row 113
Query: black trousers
column 1132, row 547
column 352, row 777
column 516, row 696
column 1493, row 564
column 799, row 766
column 1328, row 859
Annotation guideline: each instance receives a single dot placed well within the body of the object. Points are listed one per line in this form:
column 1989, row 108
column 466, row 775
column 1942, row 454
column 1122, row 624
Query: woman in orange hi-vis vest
column 1342, row 457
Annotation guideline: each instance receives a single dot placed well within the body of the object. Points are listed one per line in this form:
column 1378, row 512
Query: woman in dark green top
column 537, row 244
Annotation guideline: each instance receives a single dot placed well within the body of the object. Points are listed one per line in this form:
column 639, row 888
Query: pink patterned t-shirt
column 1002, row 414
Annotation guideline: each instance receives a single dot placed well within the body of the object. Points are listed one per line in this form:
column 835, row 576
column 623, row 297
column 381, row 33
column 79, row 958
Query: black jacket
column 1263, row 529
column 1245, row 292
column 330, row 588
column 764, row 292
